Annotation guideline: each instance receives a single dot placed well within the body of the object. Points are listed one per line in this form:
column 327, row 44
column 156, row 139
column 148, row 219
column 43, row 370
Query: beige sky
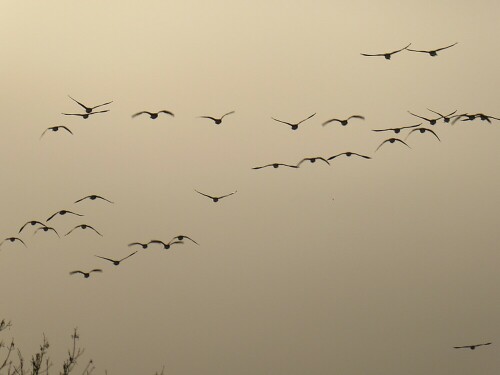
column 385, row 279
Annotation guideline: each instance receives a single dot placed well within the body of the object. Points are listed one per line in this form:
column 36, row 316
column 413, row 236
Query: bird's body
column 84, row 115
column 55, row 129
column 116, row 262
column 153, row 115
column 392, row 140
column 432, row 52
column 85, row 274
column 343, row 122
column 216, row 199
column 93, row 198
column 276, row 165
column 387, row 55
column 217, row 121
column 89, row 109
column 84, row 226
column 294, row 126
column 62, row 213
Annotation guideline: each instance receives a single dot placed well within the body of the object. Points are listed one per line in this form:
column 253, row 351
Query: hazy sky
column 374, row 266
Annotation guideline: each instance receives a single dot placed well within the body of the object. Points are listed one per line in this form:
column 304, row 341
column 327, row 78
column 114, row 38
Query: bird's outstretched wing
column 167, row 112
column 75, row 272
column 283, row 122
column 182, row 236
column 82, row 105
column 331, row 120
column 206, row 195
column 227, row 195
column 209, row 117
column 300, row 122
column 442, row 48
column 356, row 116
column 141, row 113
column 100, row 105
column 229, row 113
column 128, row 256
column 111, row 260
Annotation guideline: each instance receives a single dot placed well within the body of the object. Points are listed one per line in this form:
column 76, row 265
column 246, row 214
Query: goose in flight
column 116, row 262
column 12, row 239
column 482, row 116
column 275, row 165
column 343, row 122
column 434, row 51
column 89, row 109
column 143, row 245
column 396, row 130
column 430, row 121
column 93, row 198
column 56, row 128
column 153, row 115
column 86, row 274
column 32, row 223
column 387, row 55
column 471, row 347
column 348, row 154
column 312, row 160
column 293, row 126
column 215, row 199
column 392, row 140
column 217, row 120
column 422, row 131
column 446, row 118
column 84, row 226
column 46, row 229
column 167, row 245
column 62, row 213
column 181, row 237
column 84, row 115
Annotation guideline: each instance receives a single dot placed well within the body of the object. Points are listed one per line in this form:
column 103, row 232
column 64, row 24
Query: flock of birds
column 452, row 118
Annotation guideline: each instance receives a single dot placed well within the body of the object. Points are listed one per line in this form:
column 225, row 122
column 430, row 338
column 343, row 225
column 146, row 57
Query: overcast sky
column 366, row 266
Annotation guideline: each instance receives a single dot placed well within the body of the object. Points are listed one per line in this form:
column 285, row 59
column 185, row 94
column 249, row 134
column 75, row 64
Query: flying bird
column 312, row 160
column 471, row 347
column 143, row 245
column 12, row 239
column 167, row 245
column 482, row 116
column 217, row 120
column 182, row 236
column 275, row 165
column 46, row 229
column 430, row 121
column 422, row 131
column 93, row 198
column 296, row 125
column 153, row 115
column 116, row 262
column 215, row 199
column 348, row 154
column 84, row 115
column 434, row 51
column 89, row 109
column 32, row 223
column 86, row 274
column 387, row 55
column 446, row 118
column 392, row 140
column 343, row 122
column 84, row 226
column 396, row 130
column 56, row 128
column 62, row 213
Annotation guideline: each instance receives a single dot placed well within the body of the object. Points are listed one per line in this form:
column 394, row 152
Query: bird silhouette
column 84, row 226
column 468, row 117
column 62, row 213
column 422, row 131
column 446, row 118
column 86, row 274
column 293, row 126
column 275, row 165
column 32, row 223
column 12, row 239
column 55, row 129
column 217, row 120
column 89, row 109
column 392, row 140
column 116, row 262
column 93, row 198
column 143, row 245
column 84, row 115
column 471, row 347
column 181, row 237
column 46, row 229
column 387, row 55
column 482, row 116
column 348, row 154
column 342, row 122
column 153, row 115
column 396, row 130
column 215, row 199
column 430, row 121
column 312, row 160
column 167, row 245
column 434, row 51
